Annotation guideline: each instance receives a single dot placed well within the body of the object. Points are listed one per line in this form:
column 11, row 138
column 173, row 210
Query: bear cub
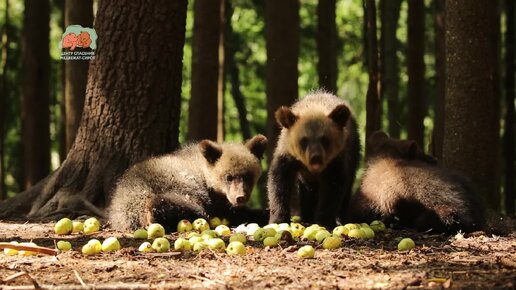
column 314, row 164
column 201, row 180
column 403, row 185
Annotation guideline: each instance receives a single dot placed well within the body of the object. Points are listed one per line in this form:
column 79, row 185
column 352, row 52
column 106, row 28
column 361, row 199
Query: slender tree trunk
column 131, row 108
column 221, row 76
column 373, row 102
column 204, row 101
column 510, row 179
column 390, row 13
column 327, row 45
column 35, row 91
column 76, row 71
column 232, row 46
column 440, row 77
column 471, row 132
column 416, row 71
column 282, row 41
column 3, row 98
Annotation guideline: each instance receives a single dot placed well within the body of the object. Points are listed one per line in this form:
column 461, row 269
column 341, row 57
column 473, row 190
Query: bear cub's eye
column 325, row 142
column 303, row 143
column 229, row 177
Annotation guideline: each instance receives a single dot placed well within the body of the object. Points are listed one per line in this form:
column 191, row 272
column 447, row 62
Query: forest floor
column 438, row 261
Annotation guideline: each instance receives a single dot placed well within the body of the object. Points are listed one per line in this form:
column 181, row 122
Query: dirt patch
column 479, row 261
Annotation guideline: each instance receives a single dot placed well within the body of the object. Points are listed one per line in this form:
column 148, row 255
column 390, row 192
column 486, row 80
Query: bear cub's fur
column 315, row 160
column 204, row 180
column 403, row 185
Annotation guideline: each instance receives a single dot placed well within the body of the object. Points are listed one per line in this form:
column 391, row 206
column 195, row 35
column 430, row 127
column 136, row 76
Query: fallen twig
column 80, row 279
column 22, row 274
column 37, row 249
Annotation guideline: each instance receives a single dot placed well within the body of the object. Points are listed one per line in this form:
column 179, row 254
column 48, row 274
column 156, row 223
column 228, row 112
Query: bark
column 131, row 108
column 35, row 91
column 373, row 102
column 282, row 44
column 440, row 77
column 416, row 71
column 232, row 46
column 203, row 109
column 390, row 13
column 509, row 105
column 471, row 101
column 3, row 98
column 76, row 71
column 220, row 77
column 327, row 45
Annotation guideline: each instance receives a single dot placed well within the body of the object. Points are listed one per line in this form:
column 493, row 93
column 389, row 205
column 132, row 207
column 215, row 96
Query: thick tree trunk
column 35, row 91
column 390, row 13
column 202, row 113
column 131, row 110
column 510, row 179
column 440, row 77
column 416, row 71
column 282, row 42
column 76, row 71
column 373, row 102
column 3, row 98
column 327, row 45
column 471, row 132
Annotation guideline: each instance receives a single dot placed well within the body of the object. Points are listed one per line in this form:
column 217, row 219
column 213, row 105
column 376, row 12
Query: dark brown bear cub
column 201, row 180
column 403, row 184
column 315, row 160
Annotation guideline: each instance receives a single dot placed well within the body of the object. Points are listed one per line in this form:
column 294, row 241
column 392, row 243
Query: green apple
column 406, row 244
column 340, row 231
column 209, row 234
column 225, row 221
column 351, row 226
column 321, row 235
column 200, row 225
column 377, row 226
column 369, row 233
column 140, row 234
column 260, row 234
column 195, row 239
column 295, row 219
column 223, row 231
column 161, row 245
column 91, row 225
column 332, row 242
column 27, row 253
column 364, row 225
column 235, row 248
column 110, row 244
column 77, row 227
column 215, row 222
column 297, row 229
column 63, row 227
column 182, row 244
column 271, row 232
column 357, row 233
column 145, row 247
column 92, row 247
column 216, row 244
column 11, row 252
column 96, row 243
column 274, row 226
column 238, row 237
column 155, row 231
column 270, row 241
column 198, row 247
column 64, row 245
column 309, row 233
column 306, row 252
column 193, row 234
column 184, row 226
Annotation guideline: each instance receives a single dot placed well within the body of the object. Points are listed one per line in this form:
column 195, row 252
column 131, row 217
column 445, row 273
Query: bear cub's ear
column 340, row 115
column 285, row 117
column 257, row 145
column 210, row 150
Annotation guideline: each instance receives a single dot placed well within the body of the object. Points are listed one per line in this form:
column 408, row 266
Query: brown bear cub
column 315, row 160
column 201, row 180
column 401, row 184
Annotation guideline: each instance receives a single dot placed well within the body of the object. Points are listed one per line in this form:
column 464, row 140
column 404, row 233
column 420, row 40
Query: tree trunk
column 282, row 43
column 3, row 98
column 35, row 91
column 232, row 46
column 390, row 10
column 373, row 102
column 76, row 71
column 471, row 110
column 437, row 134
column 327, row 45
column 203, row 110
column 131, row 109
column 221, row 83
column 416, row 71
column 509, row 104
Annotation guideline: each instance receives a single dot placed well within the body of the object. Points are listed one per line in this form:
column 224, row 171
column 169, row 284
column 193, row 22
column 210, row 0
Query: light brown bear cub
column 315, row 160
column 201, row 180
column 403, row 185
